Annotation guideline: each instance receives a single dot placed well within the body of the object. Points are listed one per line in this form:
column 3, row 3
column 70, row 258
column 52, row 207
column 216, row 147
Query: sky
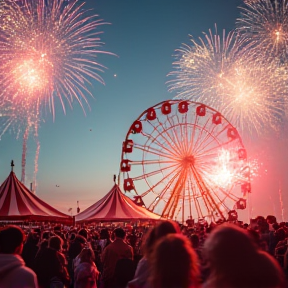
column 80, row 154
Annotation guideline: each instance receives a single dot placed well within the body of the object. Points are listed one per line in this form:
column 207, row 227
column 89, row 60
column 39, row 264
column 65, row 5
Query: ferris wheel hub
column 188, row 160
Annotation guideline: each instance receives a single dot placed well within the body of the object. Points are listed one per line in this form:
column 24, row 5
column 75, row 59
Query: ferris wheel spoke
column 185, row 137
column 168, row 148
column 216, row 147
column 173, row 138
column 212, row 138
column 212, row 190
column 194, row 127
column 207, row 148
column 149, row 162
column 185, row 134
column 200, row 135
column 191, row 197
column 179, row 139
column 165, row 134
column 208, row 159
column 169, row 178
column 170, row 207
column 154, row 151
column 208, row 199
column 195, row 197
column 206, row 141
column 213, row 185
column 155, row 172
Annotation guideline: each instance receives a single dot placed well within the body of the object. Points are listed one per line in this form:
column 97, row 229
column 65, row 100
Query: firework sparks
column 220, row 73
column 264, row 26
column 48, row 54
column 226, row 169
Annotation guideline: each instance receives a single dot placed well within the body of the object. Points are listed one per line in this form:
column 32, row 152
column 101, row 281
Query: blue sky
column 82, row 153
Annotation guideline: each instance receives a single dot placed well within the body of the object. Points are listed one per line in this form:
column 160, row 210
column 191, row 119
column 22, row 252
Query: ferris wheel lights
column 151, row 114
column 127, row 146
column 232, row 133
column 201, row 110
column 166, row 108
column 125, row 166
column 128, row 184
column 183, row 107
column 136, row 127
column 242, row 154
column 217, row 119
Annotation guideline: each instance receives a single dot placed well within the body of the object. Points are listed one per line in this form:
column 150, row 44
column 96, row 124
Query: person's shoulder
column 23, row 271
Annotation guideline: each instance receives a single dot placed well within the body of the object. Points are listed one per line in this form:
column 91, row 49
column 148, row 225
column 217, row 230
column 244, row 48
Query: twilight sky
column 80, row 154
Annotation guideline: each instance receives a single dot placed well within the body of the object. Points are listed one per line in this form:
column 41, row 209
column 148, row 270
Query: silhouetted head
column 174, row 263
column 119, row 233
column 55, row 242
column 11, row 240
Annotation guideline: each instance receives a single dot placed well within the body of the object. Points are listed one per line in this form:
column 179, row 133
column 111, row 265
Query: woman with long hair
column 174, row 263
column 86, row 273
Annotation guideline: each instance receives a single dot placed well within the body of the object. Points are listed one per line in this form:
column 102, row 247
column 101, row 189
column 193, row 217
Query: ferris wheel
column 183, row 160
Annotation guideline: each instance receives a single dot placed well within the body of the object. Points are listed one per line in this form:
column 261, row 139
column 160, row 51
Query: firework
column 263, row 25
column 220, row 73
column 226, row 170
column 48, row 54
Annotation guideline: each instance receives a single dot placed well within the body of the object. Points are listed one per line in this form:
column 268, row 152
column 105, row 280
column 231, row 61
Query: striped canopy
column 115, row 207
column 18, row 203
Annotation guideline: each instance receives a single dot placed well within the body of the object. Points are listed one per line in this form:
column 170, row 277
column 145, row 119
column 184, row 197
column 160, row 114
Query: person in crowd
column 30, row 248
column 51, row 266
column 262, row 244
column 235, row 261
column 86, row 273
column 76, row 245
column 174, row 263
column 132, row 239
column 83, row 232
column 105, row 239
column 161, row 229
column 13, row 272
column 116, row 250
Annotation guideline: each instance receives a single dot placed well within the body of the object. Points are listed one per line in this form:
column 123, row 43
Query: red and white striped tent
column 115, row 207
column 18, row 203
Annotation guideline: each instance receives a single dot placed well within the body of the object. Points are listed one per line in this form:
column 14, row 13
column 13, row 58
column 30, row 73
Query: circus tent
column 18, row 203
column 115, row 206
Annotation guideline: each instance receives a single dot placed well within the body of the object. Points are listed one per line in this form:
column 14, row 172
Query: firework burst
column 263, row 25
column 48, row 54
column 221, row 73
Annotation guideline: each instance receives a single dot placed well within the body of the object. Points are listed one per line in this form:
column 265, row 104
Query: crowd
column 164, row 255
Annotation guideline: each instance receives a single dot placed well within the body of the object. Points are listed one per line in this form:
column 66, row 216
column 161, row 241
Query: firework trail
column 24, row 152
column 281, row 201
column 48, row 54
column 221, row 73
column 263, row 25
